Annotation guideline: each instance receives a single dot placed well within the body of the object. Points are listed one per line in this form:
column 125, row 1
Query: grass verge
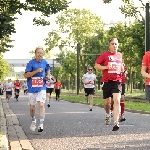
column 132, row 105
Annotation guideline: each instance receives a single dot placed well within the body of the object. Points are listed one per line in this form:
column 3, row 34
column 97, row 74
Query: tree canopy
column 8, row 10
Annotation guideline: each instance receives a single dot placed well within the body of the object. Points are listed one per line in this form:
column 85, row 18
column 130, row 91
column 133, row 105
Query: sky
column 29, row 36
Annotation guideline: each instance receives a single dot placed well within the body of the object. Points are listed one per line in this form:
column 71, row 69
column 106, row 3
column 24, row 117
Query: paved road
column 71, row 126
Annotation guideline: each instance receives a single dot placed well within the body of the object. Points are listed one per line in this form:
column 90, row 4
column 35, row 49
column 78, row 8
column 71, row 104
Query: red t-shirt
column 57, row 85
column 115, row 62
column 17, row 85
column 146, row 62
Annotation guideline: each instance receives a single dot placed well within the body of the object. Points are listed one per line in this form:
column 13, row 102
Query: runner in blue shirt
column 36, row 72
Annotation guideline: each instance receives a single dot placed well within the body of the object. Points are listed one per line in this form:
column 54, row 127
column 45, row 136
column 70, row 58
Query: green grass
column 133, row 105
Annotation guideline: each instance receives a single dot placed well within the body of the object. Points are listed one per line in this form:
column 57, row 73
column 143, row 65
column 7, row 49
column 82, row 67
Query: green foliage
column 4, row 68
column 8, row 10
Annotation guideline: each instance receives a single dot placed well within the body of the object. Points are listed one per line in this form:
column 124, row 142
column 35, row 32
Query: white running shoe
column 40, row 128
column 33, row 125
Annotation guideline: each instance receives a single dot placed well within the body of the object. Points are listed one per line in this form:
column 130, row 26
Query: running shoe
column 33, row 125
column 90, row 109
column 115, row 127
column 40, row 128
column 107, row 120
column 122, row 118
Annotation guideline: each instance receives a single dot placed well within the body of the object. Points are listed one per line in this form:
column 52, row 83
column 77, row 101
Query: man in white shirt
column 89, row 80
column 49, row 89
column 8, row 86
column 25, row 87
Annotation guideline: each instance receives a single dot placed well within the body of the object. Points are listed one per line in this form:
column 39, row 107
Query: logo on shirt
column 112, row 58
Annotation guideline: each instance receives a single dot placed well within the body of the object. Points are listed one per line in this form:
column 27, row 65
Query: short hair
column 39, row 47
column 113, row 39
column 90, row 67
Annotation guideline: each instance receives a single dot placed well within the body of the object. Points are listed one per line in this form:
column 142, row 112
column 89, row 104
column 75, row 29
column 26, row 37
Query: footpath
column 13, row 137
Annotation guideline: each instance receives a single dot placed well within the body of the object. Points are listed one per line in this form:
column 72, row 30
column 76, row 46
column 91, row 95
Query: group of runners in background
column 9, row 87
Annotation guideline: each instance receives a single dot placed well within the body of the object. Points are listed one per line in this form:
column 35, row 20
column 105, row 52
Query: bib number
column 114, row 67
column 37, row 82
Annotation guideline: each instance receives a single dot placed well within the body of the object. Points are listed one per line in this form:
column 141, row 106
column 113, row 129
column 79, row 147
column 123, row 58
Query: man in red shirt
column 17, row 86
column 145, row 71
column 110, row 62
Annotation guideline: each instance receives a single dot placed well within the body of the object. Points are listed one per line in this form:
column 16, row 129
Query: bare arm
column 83, row 81
column 100, row 67
column 30, row 74
column 144, row 73
column 48, row 73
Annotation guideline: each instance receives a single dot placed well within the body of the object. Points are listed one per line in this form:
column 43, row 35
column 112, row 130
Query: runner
column 17, row 87
column 145, row 71
column 49, row 89
column 110, row 62
column 25, row 87
column 8, row 86
column 1, row 88
column 89, row 80
column 36, row 72
column 57, row 87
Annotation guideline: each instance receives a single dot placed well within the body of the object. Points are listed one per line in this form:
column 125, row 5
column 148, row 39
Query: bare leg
column 116, row 98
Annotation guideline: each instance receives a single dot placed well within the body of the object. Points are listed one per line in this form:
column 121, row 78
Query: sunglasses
column 90, row 69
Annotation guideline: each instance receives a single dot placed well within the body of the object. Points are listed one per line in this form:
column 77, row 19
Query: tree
column 76, row 26
column 4, row 68
column 8, row 10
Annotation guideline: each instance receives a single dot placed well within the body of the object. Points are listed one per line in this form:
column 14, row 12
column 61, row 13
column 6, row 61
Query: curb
column 4, row 137
column 17, row 140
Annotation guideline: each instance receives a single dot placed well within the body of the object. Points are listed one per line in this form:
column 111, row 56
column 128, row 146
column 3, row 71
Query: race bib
column 114, row 67
column 37, row 81
column 48, row 83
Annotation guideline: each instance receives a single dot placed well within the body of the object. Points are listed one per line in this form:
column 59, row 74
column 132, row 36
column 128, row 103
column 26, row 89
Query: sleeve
column 28, row 67
column 100, row 59
column 145, row 60
column 47, row 67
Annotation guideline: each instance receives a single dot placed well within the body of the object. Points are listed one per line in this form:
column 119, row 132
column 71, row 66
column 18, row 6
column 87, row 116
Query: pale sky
column 29, row 36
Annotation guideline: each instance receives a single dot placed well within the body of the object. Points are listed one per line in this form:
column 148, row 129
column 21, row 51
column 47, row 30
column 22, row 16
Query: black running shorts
column 89, row 91
column 8, row 92
column 111, row 87
column 49, row 90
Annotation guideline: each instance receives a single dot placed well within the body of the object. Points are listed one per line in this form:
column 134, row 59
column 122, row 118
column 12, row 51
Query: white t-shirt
column 1, row 86
column 89, row 79
column 25, row 87
column 50, row 82
column 8, row 86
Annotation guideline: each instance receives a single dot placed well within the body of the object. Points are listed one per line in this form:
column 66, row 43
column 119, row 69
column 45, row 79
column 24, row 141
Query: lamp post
column 147, row 28
column 78, row 69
